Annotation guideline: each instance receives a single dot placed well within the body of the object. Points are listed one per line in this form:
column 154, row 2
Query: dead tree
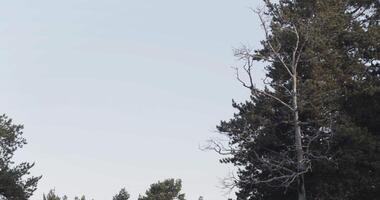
column 286, row 169
column 291, row 69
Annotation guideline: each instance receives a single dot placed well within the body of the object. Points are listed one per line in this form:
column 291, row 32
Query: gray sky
column 120, row 93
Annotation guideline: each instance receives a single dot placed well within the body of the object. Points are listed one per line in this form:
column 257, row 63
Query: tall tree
column 298, row 130
column 14, row 183
column 168, row 189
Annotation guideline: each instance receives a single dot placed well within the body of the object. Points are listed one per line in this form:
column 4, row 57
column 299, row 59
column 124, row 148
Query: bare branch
column 267, row 35
column 218, row 146
column 250, row 85
column 257, row 91
column 281, row 85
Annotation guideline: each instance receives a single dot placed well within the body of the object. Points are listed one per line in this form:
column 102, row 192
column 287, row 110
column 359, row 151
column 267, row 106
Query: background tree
column 81, row 198
column 122, row 195
column 14, row 184
column 51, row 196
column 166, row 190
column 334, row 45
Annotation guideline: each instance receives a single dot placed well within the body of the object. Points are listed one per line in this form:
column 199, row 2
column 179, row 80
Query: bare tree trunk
column 290, row 67
column 298, row 141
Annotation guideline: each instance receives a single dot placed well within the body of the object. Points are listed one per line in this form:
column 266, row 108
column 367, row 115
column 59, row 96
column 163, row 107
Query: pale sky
column 120, row 93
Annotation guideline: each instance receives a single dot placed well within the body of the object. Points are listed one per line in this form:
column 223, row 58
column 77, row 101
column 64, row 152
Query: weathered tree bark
column 298, row 140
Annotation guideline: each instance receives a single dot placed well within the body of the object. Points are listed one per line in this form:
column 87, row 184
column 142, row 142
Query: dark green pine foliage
column 122, row 195
column 351, row 30
column 169, row 189
column 14, row 181
column 339, row 96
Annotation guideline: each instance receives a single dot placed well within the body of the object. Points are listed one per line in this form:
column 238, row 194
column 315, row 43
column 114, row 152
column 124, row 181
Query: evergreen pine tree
column 14, row 183
column 334, row 45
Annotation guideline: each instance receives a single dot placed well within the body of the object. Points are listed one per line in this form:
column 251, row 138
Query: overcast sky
column 120, row 93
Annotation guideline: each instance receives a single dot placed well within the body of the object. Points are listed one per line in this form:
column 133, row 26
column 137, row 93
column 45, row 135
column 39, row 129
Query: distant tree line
column 17, row 184
column 169, row 189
